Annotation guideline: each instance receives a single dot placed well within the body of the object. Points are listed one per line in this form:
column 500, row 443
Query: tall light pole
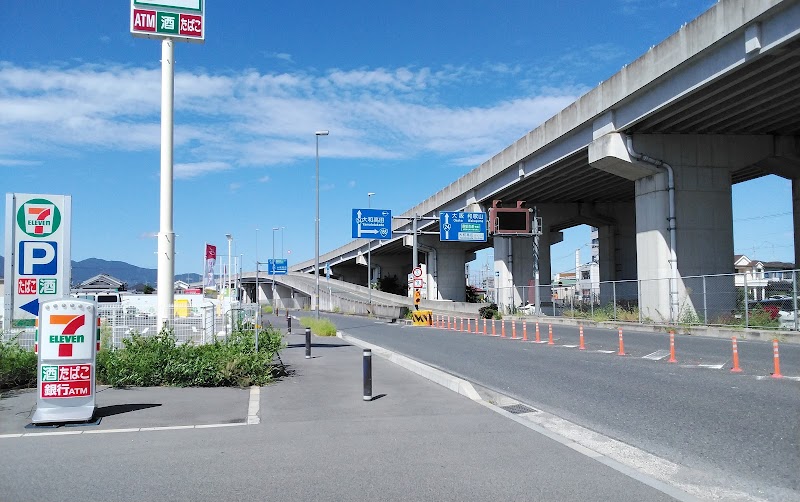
column 273, row 265
column 228, row 284
column 316, row 229
column 258, row 307
column 369, row 253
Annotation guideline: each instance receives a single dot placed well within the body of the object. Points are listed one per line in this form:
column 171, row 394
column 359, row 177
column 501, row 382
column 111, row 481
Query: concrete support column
column 796, row 214
column 450, row 280
column 703, row 214
column 513, row 265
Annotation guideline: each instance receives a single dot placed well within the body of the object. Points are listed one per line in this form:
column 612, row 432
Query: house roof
column 101, row 281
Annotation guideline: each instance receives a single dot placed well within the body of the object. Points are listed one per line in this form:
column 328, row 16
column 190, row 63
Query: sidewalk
column 418, row 441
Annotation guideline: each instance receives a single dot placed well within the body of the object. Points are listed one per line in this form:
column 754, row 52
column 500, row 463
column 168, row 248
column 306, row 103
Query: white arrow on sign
column 446, row 225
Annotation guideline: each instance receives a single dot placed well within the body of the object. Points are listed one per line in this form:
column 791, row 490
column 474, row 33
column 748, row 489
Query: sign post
column 67, row 340
column 37, row 251
column 277, row 266
column 372, row 224
column 168, row 21
column 462, row 227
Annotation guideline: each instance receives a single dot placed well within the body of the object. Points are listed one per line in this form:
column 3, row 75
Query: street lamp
column 273, row 263
column 228, row 284
column 369, row 253
column 316, row 229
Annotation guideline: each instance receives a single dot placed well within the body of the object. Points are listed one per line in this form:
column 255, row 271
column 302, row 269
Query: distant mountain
column 125, row 272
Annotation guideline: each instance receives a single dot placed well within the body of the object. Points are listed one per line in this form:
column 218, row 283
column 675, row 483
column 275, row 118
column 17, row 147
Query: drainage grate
column 517, row 409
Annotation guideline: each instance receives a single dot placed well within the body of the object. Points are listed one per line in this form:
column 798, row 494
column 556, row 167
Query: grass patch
column 320, row 327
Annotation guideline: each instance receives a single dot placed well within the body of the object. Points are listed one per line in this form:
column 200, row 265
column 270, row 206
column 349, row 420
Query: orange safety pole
column 513, row 330
column 736, row 368
column 777, row 359
column 538, row 340
column 484, row 325
column 672, row 347
column 493, row 330
column 550, row 334
column 581, row 347
column 502, row 328
column 621, row 344
column 524, row 331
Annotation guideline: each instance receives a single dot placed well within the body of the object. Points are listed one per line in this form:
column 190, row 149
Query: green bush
column 320, row 327
column 158, row 360
column 488, row 312
column 17, row 366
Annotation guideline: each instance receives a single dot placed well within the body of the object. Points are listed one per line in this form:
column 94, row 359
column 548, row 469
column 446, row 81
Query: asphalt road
column 740, row 428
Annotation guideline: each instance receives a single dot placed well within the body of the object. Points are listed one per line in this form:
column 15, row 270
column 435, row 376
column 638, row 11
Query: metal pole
column 367, row 367
column 369, row 255
column 414, row 261
column 308, row 343
column 794, row 298
column 288, row 322
column 166, row 235
column 258, row 305
column 614, row 296
column 537, row 298
column 316, row 229
column 746, row 308
column 274, row 301
column 705, row 302
column 228, row 283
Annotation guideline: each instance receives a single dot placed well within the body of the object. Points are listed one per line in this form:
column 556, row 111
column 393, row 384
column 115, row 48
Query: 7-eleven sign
column 65, row 336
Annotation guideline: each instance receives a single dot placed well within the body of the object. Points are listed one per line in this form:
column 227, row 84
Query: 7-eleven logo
column 38, row 218
column 71, row 323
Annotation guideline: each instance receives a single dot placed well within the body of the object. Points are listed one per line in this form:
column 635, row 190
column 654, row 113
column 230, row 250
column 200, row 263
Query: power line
column 763, row 216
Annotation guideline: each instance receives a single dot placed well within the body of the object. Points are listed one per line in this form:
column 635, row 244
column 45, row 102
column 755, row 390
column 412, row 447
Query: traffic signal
column 417, row 297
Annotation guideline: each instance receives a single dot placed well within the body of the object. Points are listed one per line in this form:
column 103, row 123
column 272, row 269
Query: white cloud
column 18, row 162
column 235, row 120
column 264, row 179
column 186, row 171
column 351, row 183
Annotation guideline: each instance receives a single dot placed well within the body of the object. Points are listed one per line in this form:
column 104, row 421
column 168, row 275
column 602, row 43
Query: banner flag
column 211, row 261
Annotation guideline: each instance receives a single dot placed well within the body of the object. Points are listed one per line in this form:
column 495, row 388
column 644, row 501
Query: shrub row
column 17, row 366
column 159, row 360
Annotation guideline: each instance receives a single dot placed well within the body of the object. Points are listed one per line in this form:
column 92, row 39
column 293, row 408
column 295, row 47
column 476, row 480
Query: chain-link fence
column 196, row 325
column 763, row 300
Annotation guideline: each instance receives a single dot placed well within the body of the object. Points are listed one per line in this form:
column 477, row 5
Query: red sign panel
column 191, row 26
column 66, row 389
column 67, row 380
column 144, row 20
column 26, row 286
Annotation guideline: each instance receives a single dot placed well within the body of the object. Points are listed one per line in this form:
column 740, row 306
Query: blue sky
column 415, row 94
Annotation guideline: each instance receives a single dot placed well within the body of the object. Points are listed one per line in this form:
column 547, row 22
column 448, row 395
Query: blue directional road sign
column 372, row 224
column 277, row 266
column 462, row 227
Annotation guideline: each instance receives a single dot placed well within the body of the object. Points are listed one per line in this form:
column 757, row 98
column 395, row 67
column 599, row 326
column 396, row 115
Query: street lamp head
column 370, row 194
column 322, row 133
column 276, row 228
column 228, row 236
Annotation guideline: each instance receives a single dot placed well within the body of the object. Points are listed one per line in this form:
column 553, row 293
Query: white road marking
column 711, row 366
column 657, row 355
column 113, row 431
column 253, row 405
column 568, row 346
column 606, row 351
column 769, row 377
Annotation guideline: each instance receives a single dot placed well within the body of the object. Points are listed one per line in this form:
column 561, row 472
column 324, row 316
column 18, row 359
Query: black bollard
column 289, row 322
column 308, row 343
column 367, row 374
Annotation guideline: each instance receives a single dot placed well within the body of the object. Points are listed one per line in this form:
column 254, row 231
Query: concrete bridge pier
column 703, row 223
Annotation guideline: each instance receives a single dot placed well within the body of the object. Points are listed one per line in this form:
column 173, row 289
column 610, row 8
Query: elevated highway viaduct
column 648, row 157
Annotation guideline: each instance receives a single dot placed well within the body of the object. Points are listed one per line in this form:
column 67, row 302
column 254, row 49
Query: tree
column 148, row 289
